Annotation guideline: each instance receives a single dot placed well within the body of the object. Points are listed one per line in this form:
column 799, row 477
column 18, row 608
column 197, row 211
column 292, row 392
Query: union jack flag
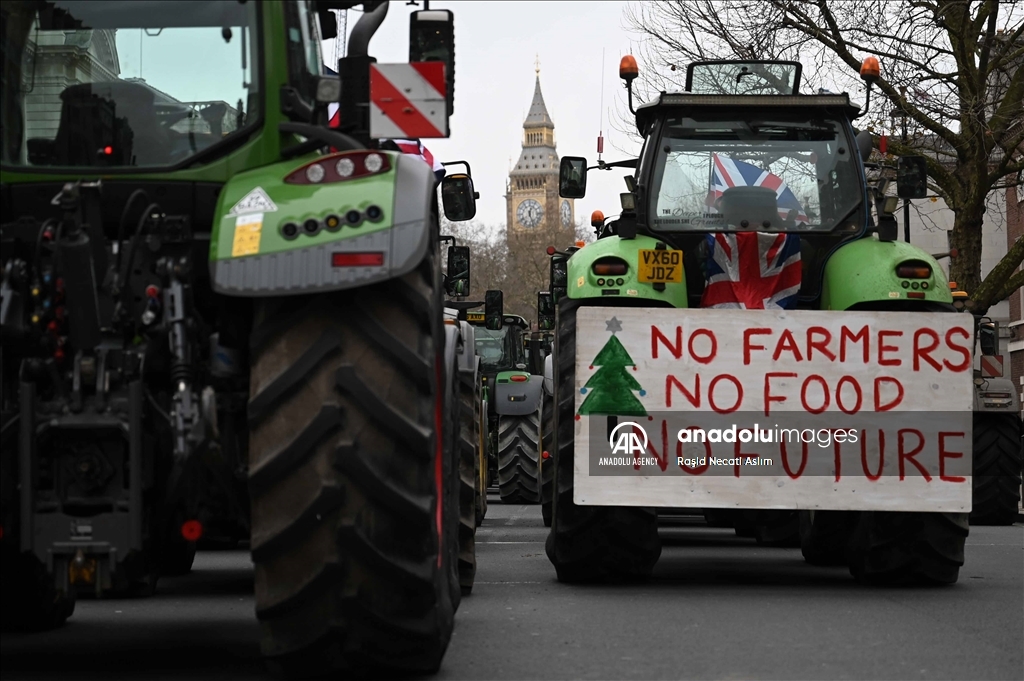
column 752, row 270
column 412, row 147
column 726, row 173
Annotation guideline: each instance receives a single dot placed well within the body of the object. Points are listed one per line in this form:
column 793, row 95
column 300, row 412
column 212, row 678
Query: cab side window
column 305, row 62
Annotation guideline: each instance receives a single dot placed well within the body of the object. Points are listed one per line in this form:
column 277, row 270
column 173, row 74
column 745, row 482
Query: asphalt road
column 719, row 607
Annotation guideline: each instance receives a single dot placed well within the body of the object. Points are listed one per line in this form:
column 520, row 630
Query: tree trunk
column 965, row 269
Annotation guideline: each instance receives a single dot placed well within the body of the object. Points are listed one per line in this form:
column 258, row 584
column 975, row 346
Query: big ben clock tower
column 532, row 201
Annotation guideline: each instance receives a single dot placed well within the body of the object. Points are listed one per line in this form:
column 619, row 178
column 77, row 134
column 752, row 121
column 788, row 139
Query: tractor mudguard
column 252, row 254
column 452, row 341
column 864, row 271
column 549, row 374
column 997, row 385
column 582, row 282
column 468, row 361
column 513, row 398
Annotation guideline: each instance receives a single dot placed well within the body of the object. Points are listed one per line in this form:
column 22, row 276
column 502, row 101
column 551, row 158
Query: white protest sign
column 773, row 409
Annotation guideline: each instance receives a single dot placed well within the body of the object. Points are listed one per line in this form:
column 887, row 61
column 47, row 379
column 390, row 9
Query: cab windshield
column 107, row 84
column 496, row 350
column 773, row 172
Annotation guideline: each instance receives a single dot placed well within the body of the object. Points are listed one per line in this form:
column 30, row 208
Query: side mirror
column 558, row 277
column 494, row 310
column 911, row 177
column 458, row 271
column 572, row 177
column 328, row 25
column 864, row 145
column 988, row 337
column 432, row 38
column 545, row 311
column 458, row 197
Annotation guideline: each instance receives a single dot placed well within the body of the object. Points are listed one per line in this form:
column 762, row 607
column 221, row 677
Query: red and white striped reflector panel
column 991, row 366
column 408, row 100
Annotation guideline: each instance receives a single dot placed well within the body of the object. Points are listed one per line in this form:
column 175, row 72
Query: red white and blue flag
column 726, row 173
column 412, row 147
column 752, row 271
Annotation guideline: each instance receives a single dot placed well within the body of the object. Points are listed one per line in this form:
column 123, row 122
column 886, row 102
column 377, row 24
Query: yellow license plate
column 659, row 267
column 475, row 316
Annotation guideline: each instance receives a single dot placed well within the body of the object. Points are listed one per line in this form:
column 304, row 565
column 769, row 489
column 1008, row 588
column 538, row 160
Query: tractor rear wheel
column 824, row 536
column 469, row 471
column 353, row 479
column 517, row 459
column 590, row 543
column 30, row 600
column 547, row 465
column 777, row 528
column 893, row 548
column 997, row 469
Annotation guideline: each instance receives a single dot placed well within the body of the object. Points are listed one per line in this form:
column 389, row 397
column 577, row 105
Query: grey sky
column 495, row 47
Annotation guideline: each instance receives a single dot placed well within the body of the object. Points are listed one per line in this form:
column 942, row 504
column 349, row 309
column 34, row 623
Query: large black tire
column 177, row 557
column 469, row 471
column 547, row 462
column 720, row 517
column 354, row 486
column 777, row 528
column 890, row 548
column 517, row 459
column 997, row 469
column 825, row 535
column 590, row 543
column 30, row 601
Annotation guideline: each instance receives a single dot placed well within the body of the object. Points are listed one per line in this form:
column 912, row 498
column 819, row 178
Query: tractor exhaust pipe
column 359, row 40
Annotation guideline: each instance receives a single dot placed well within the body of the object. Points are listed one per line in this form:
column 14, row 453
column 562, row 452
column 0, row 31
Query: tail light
column 914, row 270
column 519, row 378
column 191, row 530
column 348, row 165
column 357, row 259
column 610, row 266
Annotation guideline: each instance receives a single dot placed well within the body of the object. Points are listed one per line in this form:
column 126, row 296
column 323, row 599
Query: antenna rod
column 600, row 133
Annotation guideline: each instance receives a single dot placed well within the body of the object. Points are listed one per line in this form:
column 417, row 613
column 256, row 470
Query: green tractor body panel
column 342, row 234
column 296, row 203
column 506, row 376
column 583, row 282
column 865, row 271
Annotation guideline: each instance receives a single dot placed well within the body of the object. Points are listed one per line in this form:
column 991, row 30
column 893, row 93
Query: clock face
column 529, row 213
column 566, row 214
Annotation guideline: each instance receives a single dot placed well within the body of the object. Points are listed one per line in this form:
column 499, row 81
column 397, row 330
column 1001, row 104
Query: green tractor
column 747, row 217
column 513, row 397
column 220, row 311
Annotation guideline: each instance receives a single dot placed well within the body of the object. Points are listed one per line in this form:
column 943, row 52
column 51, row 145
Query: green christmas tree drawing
column 610, row 390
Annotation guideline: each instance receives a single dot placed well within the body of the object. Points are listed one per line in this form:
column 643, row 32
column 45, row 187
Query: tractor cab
column 747, row 178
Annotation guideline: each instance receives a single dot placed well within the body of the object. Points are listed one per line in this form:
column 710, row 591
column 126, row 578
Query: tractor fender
column 517, row 399
column 996, row 385
column 468, row 361
column 272, row 265
column 452, row 343
column 864, row 271
column 549, row 373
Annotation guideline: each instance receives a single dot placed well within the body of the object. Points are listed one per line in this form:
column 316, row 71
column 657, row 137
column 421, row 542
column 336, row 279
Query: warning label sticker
column 255, row 201
column 247, row 235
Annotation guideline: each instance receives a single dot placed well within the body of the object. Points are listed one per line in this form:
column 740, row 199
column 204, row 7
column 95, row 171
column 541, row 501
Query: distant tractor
column 513, row 397
column 998, row 457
